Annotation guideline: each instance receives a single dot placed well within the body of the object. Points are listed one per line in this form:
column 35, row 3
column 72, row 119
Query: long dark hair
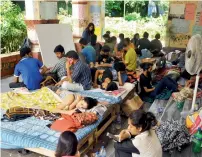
column 67, row 144
column 89, row 25
column 145, row 120
column 135, row 36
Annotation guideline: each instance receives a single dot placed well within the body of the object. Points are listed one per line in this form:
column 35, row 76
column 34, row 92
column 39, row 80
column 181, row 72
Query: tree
column 114, row 8
column 13, row 28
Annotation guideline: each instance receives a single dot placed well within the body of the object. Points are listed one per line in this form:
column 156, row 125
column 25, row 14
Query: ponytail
column 145, row 120
column 150, row 121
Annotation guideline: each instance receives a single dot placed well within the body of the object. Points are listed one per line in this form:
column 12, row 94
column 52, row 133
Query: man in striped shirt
column 80, row 77
column 60, row 68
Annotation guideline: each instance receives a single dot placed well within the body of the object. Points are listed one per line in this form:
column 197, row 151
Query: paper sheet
column 177, row 9
column 180, row 26
column 97, row 30
column 190, row 11
column 197, row 30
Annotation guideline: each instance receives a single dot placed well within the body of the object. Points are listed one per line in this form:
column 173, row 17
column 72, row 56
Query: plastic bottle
column 103, row 152
column 197, row 141
column 97, row 154
column 118, row 122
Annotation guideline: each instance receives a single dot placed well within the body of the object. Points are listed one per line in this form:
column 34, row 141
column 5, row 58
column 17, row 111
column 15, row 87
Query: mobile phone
column 115, row 138
column 78, row 111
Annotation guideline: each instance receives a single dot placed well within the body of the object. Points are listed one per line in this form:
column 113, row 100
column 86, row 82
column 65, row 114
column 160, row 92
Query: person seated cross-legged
column 29, row 68
column 146, row 86
column 80, row 77
column 59, row 70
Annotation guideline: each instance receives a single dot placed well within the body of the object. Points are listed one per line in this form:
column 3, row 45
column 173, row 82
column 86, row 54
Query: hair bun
column 151, row 118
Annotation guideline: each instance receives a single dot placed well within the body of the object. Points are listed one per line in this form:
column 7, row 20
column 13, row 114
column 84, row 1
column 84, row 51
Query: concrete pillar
column 84, row 12
column 97, row 16
column 39, row 12
column 80, row 13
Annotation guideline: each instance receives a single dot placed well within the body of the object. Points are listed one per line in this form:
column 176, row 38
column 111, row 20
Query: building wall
column 185, row 20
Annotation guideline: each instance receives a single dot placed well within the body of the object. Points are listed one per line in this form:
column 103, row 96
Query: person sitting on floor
column 114, row 64
column 139, row 139
column 156, row 45
column 88, row 52
column 80, row 79
column 104, row 55
column 144, row 43
column 60, row 68
column 128, row 42
column 67, row 145
column 121, row 38
column 135, row 40
column 29, row 68
column 110, row 43
column 129, row 57
column 146, row 86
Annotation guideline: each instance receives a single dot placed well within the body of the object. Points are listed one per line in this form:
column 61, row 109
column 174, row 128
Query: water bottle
column 97, row 154
column 103, row 152
column 197, row 141
column 118, row 122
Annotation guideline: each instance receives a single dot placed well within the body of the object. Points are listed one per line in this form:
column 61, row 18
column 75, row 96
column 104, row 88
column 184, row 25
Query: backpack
column 26, row 44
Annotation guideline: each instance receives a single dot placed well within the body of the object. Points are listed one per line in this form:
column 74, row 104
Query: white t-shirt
column 148, row 144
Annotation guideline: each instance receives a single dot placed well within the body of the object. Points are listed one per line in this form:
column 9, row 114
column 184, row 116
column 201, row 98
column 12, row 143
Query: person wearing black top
column 146, row 86
column 104, row 56
column 144, row 43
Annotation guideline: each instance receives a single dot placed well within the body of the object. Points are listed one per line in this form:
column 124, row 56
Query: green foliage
column 65, row 7
column 139, row 6
column 114, row 8
column 129, row 28
column 13, row 28
column 133, row 17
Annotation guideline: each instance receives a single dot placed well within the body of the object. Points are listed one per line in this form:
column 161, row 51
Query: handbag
column 17, row 113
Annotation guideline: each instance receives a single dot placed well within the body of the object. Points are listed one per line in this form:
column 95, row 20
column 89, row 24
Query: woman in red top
column 67, row 145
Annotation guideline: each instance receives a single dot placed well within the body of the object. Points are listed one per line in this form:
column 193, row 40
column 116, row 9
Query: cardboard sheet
column 51, row 35
column 180, row 26
column 177, row 9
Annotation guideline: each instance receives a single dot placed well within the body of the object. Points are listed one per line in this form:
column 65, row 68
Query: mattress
column 33, row 132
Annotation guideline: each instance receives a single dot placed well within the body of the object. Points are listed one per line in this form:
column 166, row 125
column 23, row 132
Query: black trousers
column 125, row 149
column 16, row 85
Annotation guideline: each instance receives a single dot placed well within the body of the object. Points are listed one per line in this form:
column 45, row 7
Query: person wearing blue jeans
column 146, row 86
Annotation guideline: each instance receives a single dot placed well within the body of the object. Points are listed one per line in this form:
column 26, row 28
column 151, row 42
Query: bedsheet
column 101, row 96
column 42, row 99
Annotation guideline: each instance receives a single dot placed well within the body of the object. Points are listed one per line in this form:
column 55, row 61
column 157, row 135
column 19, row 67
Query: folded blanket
column 41, row 99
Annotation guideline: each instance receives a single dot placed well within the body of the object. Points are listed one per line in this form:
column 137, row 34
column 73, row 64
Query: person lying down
column 74, row 103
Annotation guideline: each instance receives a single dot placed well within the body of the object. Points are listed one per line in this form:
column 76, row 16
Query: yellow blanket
column 43, row 98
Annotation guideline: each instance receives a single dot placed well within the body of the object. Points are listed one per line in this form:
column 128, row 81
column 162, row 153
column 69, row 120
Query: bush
column 129, row 28
column 13, row 28
column 133, row 17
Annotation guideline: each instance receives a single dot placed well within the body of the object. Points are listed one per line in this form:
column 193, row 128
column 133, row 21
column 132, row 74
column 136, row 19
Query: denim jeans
column 166, row 82
column 16, row 84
